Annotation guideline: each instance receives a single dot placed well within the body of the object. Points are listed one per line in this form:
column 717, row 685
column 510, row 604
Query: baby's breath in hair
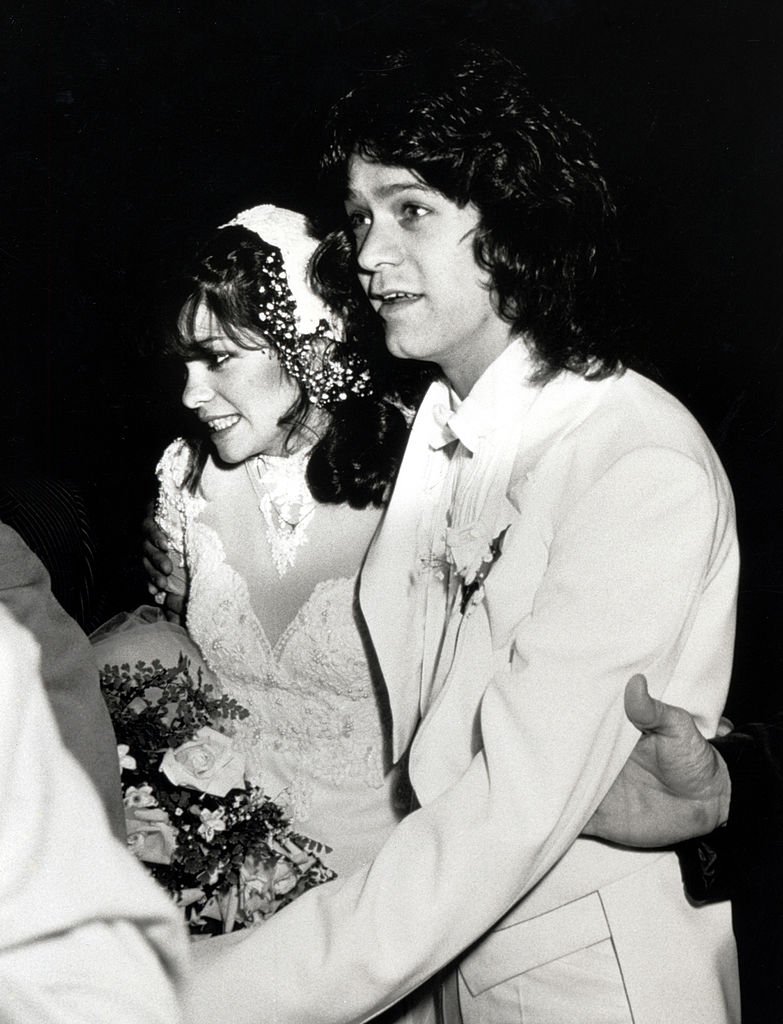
column 327, row 369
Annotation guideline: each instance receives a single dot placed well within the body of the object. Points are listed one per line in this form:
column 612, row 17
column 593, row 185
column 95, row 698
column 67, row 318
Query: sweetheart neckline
column 277, row 649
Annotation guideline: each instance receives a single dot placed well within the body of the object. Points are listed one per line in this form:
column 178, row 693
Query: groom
column 557, row 524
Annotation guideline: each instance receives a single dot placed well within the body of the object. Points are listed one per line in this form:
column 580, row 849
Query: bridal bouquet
column 226, row 852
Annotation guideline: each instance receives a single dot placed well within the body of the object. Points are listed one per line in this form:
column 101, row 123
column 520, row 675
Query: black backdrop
column 131, row 127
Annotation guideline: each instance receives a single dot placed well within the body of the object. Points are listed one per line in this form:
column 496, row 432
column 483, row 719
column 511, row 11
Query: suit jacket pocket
column 519, row 947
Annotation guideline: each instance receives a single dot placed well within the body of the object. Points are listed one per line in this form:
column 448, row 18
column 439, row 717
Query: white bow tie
column 462, row 424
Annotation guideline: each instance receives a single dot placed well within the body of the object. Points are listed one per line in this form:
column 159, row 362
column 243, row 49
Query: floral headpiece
column 308, row 335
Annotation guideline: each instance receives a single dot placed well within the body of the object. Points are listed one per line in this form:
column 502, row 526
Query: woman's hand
column 167, row 587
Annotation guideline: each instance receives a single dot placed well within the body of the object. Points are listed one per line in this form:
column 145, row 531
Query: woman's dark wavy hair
column 335, row 278
column 357, row 458
column 467, row 124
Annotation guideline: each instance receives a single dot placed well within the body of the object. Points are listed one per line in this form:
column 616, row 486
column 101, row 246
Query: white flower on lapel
column 468, row 548
column 473, row 551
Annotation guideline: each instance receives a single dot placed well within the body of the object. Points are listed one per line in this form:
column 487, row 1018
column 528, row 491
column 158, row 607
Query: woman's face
column 239, row 393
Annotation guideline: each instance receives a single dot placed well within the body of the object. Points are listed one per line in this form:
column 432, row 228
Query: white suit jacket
column 620, row 557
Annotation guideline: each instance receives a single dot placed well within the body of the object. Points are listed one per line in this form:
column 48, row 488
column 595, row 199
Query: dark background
column 131, row 127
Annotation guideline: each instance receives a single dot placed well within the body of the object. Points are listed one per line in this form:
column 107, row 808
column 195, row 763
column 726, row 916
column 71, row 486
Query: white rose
column 207, row 763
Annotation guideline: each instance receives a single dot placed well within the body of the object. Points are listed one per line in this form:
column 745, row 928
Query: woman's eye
column 358, row 220
column 217, row 359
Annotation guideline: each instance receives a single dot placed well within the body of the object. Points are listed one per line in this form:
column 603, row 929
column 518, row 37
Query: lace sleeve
column 170, row 508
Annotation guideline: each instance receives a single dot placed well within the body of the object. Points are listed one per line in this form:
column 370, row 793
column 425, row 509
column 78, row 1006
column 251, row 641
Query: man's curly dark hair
column 467, row 123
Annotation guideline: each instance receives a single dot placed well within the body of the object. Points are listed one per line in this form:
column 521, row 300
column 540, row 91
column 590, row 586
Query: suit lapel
column 405, row 615
column 475, row 649
column 393, row 588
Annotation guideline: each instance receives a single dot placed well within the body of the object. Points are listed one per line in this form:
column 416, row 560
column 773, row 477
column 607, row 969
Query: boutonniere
column 472, row 552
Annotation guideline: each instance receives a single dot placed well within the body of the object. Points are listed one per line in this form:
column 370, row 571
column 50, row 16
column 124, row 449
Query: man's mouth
column 220, row 423
column 387, row 300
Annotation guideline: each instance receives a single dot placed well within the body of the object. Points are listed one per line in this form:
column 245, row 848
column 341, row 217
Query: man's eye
column 413, row 212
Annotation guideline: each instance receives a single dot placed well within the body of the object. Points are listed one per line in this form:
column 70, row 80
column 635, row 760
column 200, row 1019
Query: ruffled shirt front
column 478, row 440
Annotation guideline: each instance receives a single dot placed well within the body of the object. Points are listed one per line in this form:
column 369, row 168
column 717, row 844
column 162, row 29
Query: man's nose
column 379, row 247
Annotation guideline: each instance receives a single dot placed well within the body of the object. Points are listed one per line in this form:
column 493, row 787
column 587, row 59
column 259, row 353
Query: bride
column 269, row 510
column 269, row 513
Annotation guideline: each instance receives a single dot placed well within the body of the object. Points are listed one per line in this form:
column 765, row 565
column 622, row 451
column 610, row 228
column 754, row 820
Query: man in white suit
column 556, row 525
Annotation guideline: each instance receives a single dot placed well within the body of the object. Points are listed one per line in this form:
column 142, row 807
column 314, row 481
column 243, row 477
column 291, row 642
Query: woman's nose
column 197, row 390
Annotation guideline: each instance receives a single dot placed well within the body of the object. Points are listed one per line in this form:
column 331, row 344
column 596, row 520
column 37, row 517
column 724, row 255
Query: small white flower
column 211, row 822
column 126, row 761
column 473, row 552
column 469, row 548
column 140, row 796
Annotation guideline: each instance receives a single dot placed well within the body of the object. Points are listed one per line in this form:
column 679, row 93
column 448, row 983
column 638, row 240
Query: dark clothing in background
column 68, row 668
column 743, row 861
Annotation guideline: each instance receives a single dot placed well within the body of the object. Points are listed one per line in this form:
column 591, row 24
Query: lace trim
column 284, row 500
column 311, row 698
column 169, row 507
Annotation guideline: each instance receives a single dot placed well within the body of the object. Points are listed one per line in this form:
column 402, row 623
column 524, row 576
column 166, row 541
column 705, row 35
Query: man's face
column 416, row 264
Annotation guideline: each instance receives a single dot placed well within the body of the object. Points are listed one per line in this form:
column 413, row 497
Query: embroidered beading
column 312, row 696
column 284, row 500
column 308, row 335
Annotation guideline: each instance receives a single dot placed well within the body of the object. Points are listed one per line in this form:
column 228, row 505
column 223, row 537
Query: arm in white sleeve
column 85, row 935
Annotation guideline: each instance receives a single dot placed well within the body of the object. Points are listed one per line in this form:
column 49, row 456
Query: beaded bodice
column 314, row 703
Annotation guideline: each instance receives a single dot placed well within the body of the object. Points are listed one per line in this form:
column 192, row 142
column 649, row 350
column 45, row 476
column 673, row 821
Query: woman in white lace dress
column 269, row 510
column 269, row 515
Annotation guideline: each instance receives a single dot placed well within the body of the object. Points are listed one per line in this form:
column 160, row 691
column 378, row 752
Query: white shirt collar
column 502, row 386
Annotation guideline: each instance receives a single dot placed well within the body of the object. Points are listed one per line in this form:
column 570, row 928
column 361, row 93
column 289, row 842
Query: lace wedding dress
column 315, row 737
